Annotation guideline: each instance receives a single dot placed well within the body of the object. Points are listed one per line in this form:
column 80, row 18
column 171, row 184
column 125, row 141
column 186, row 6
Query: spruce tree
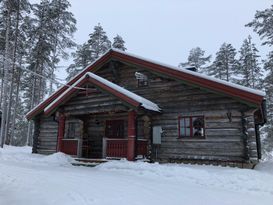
column 225, row 63
column 262, row 24
column 96, row 46
column 268, row 84
column 197, row 59
column 119, row 43
column 52, row 27
column 249, row 72
column 82, row 58
column 98, row 42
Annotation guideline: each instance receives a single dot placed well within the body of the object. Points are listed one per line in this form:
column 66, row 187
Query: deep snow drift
column 28, row 179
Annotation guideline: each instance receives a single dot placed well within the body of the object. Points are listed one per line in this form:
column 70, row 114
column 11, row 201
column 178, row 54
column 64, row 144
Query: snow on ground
column 27, row 179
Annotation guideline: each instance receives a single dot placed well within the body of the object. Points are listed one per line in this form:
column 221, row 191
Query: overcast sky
column 165, row 30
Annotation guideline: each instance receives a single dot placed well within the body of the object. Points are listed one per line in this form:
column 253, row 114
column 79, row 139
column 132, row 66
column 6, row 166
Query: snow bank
column 28, row 179
column 236, row 179
column 267, row 164
column 24, row 155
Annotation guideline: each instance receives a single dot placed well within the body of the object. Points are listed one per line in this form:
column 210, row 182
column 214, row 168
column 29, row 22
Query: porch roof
column 116, row 90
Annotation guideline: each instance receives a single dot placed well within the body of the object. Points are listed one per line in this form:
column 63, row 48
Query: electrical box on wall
column 157, row 131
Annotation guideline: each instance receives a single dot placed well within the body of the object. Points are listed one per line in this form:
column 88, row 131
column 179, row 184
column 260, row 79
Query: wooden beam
column 131, row 135
column 61, row 130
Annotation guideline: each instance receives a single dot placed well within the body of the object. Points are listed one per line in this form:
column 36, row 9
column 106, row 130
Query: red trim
column 49, row 100
column 70, row 147
column 206, row 83
column 97, row 83
column 131, row 136
column 114, row 92
column 191, row 126
column 250, row 97
column 65, row 97
column 61, row 130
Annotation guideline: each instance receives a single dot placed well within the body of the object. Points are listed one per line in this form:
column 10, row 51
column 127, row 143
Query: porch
column 104, row 135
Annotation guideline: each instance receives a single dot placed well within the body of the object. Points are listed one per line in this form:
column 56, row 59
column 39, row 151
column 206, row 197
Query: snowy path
column 27, row 179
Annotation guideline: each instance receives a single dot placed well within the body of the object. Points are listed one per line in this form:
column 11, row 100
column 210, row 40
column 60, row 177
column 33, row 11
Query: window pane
column 187, row 122
column 198, row 126
column 185, row 130
column 188, row 132
column 182, row 131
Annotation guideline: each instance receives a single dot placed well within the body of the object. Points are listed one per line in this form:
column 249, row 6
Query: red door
column 114, row 129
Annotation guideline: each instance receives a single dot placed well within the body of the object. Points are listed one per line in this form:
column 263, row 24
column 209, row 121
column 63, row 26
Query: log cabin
column 126, row 106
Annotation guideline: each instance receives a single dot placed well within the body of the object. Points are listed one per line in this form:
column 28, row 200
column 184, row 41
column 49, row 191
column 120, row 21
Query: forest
column 35, row 38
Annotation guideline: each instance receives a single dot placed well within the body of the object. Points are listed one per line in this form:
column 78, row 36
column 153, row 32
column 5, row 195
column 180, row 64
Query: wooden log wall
column 98, row 102
column 48, row 132
column 224, row 139
column 251, row 142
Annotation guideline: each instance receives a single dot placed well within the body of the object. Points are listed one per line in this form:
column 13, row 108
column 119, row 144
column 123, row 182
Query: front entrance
column 103, row 136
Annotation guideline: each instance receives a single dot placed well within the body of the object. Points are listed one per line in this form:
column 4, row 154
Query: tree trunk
column 7, row 136
column 5, row 79
column 15, row 106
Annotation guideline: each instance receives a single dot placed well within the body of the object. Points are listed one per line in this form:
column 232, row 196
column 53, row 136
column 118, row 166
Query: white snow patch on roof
column 147, row 104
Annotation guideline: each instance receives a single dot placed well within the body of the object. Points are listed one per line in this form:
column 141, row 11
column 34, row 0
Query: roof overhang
column 244, row 94
column 124, row 95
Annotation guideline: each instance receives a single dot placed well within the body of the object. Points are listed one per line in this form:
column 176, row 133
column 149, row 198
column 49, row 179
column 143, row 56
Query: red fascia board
column 244, row 95
column 42, row 106
column 97, row 83
column 65, row 97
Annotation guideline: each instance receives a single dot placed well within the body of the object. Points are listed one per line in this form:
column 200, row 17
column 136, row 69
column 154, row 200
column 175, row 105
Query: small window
column 191, row 126
column 142, row 80
column 71, row 130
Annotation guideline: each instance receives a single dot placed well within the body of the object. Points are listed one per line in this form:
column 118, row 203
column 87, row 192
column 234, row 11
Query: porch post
column 61, row 130
column 131, row 135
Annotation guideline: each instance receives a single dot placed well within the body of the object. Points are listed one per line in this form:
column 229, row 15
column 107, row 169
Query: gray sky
column 165, row 30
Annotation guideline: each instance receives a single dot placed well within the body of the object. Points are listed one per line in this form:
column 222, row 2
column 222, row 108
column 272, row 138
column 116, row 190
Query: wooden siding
column 47, row 140
column 224, row 139
column 93, row 103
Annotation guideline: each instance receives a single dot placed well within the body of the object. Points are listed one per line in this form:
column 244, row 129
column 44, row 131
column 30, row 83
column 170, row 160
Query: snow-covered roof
column 244, row 93
column 143, row 102
column 200, row 75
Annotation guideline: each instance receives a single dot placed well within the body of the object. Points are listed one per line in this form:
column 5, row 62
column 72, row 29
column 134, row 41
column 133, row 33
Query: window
column 71, row 130
column 142, row 80
column 191, row 126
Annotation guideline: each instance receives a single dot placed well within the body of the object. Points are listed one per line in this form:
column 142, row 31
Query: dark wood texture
column 47, row 141
column 224, row 137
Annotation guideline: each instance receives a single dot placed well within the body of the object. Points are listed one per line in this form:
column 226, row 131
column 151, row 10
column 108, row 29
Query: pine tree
column 20, row 10
column 96, row 46
column 263, row 25
column 249, row 71
column 6, row 69
column 225, row 63
column 63, row 28
column 52, row 27
column 268, row 83
column 119, row 43
column 98, row 42
column 82, row 58
column 197, row 59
